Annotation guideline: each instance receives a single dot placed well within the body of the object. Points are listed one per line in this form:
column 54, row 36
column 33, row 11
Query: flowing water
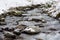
column 35, row 13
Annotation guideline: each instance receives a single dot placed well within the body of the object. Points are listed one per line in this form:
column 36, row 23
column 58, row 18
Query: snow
column 6, row 4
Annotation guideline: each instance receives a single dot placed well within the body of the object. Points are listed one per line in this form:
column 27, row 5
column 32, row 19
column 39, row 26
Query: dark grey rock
column 3, row 23
column 1, row 30
column 7, row 29
column 36, row 20
column 21, row 27
column 17, row 32
column 53, row 29
column 9, row 35
column 40, row 25
column 1, row 37
column 8, row 39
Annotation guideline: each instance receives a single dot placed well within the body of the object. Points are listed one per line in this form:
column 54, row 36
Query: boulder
column 32, row 30
column 17, row 32
column 9, row 35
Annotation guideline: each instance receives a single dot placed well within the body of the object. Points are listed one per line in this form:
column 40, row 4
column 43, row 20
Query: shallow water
column 50, row 23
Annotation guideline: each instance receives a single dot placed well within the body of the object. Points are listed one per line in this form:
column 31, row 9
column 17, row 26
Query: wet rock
column 3, row 23
column 58, row 15
column 19, row 38
column 38, row 20
column 9, row 35
column 11, row 13
column 1, row 30
column 44, row 21
column 2, row 19
column 18, row 13
column 48, row 32
column 40, row 25
column 11, row 29
column 8, row 39
column 39, row 39
column 17, row 32
column 4, row 15
column 53, row 29
column 32, row 30
column 21, row 27
column 15, row 13
column 4, row 28
column 7, row 29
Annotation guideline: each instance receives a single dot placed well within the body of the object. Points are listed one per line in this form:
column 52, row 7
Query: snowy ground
column 5, row 4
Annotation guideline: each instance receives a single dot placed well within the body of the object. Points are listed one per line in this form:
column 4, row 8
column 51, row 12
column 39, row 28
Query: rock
column 48, row 32
column 58, row 15
column 21, row 27
column 3, row 23
column 11, row 29
column 39, row 39
column 17, row 32
column 15, row 13
column 1, row 30
column 43, row 21
column 18, row 13
column 38, row 20
column 9, row 35
column 4, row 28
column 7, row 29
column 32, row 30
column 2, row 19
column 4, row 15
column 53, row 29
column 40, row 25
column 8, row 39
column 19, row 38
column 11, row 13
